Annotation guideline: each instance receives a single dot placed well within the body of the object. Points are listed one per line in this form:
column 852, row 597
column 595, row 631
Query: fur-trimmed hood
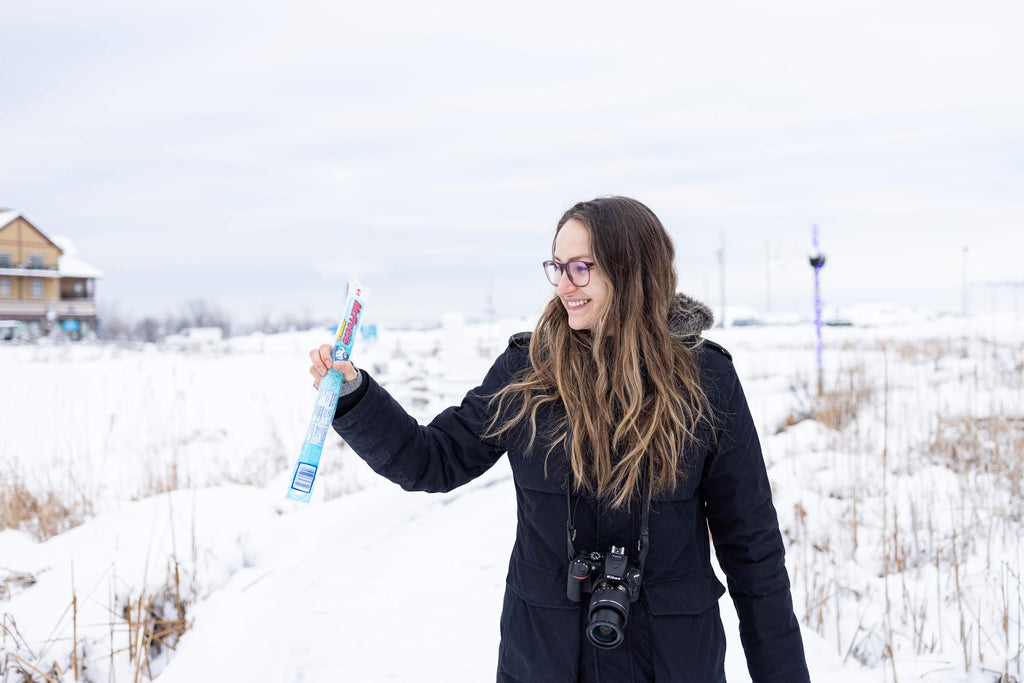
column 688, row 317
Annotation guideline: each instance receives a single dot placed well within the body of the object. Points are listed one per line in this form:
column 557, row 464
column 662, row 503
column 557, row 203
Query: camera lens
column 605, row 628
column 609, row 608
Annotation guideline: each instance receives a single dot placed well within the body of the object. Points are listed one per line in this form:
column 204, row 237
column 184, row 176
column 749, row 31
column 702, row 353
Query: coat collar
column 688, row 317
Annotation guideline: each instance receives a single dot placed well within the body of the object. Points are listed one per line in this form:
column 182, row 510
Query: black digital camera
column 614, row 583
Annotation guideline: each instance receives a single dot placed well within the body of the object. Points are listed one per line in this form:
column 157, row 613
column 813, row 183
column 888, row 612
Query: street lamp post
column 817, row 260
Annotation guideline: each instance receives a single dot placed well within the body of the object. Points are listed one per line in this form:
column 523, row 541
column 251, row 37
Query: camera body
column 613, row 582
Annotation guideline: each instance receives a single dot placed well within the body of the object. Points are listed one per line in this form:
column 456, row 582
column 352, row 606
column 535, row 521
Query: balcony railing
column 25, row 265
column 42, row 306
column 24, row 270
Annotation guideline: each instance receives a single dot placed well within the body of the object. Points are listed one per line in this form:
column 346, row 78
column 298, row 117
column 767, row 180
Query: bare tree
column 149, row 329
column 202, row 313
column 111, row 325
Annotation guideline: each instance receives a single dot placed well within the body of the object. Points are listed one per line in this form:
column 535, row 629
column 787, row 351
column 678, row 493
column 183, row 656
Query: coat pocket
column 539, row 586
column 693, row 594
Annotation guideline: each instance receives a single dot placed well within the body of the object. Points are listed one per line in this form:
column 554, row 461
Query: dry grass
column 837, row 406
column 841, row 404
column 990, row 445
column 41, row 514
column 929, row 564
column 11, row 582
column 156, row 621
column 19, row 663
column 147, row 627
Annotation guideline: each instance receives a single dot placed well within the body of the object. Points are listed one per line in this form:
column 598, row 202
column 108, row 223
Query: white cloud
column 393, row 130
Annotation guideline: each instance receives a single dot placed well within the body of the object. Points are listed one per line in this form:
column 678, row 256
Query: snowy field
column 155, row 540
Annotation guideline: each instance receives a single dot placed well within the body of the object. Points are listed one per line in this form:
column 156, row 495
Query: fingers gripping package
column 301, row 488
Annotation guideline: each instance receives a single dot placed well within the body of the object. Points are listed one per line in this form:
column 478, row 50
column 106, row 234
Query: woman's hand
column 321, row 359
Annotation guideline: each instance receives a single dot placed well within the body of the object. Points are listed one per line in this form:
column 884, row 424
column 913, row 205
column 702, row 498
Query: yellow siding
column 21, row 288
column 20, row 240
column 34, row 259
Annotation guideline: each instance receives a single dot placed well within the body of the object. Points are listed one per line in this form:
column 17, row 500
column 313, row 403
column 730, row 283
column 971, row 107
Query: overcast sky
column 260, row 154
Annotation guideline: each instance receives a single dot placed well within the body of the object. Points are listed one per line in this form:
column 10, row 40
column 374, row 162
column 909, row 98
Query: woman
column 629, row 439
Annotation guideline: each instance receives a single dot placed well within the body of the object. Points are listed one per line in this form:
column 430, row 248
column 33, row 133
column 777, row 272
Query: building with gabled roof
column 43, row 282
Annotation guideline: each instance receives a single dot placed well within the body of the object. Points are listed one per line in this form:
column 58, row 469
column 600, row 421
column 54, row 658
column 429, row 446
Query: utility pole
column 490, row 316
column 817, row 260
column 768, row 277
column 963, row 285
column 721, row 275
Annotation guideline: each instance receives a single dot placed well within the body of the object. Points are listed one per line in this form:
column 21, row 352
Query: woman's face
column 583, row 304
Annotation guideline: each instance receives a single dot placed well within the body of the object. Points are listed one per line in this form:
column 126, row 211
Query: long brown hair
column 630, row 388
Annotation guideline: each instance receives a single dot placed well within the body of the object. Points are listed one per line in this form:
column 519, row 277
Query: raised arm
column 440, row 456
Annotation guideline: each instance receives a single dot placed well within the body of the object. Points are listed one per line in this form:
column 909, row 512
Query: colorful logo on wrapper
column 306, row 467
column 350, row 324
column 345, row 338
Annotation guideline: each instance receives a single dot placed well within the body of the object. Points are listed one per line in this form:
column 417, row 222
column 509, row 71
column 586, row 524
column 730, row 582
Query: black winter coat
column 674, row 632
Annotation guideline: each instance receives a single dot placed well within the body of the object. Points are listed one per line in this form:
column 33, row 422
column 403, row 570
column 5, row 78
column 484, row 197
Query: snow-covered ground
column 900, row 501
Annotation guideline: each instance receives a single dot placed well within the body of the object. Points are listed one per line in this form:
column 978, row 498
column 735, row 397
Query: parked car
column 195, row 338
column 13, row 331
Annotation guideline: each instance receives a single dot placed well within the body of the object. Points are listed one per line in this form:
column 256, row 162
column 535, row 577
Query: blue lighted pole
column 817, row 259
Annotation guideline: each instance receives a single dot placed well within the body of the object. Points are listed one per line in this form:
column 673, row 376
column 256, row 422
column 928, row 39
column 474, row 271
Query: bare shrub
column 40, row 514
column 156, row 621
column 161, row 478
column 153, row 623
column 993, row 445
column 926, row 466
column 13, row 582
column 839, row 406
column 835, row 407
column 19, row 662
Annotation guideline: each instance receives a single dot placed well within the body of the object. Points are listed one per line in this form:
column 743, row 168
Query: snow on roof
column 69, row 264
column 8, row 215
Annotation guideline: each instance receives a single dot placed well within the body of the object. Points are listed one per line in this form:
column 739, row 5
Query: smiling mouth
column 576, row 303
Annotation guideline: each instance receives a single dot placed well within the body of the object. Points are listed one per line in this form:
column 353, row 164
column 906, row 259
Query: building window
column 5, row 287
column 36, row 261
column 35, row 288
column 5, row 259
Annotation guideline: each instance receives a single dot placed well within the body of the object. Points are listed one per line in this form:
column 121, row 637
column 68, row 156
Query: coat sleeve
column 440, row 456
column 745, row 530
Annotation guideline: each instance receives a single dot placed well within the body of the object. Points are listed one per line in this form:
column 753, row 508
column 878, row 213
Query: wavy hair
column 630, row 388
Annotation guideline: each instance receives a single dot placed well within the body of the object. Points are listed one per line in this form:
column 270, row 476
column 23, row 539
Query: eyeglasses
column 578, row 272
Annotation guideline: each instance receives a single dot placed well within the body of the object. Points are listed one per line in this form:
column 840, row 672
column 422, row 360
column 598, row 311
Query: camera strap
column 643, row 544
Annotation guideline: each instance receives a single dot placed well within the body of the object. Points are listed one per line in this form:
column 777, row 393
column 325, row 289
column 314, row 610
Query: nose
column 565, row 285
